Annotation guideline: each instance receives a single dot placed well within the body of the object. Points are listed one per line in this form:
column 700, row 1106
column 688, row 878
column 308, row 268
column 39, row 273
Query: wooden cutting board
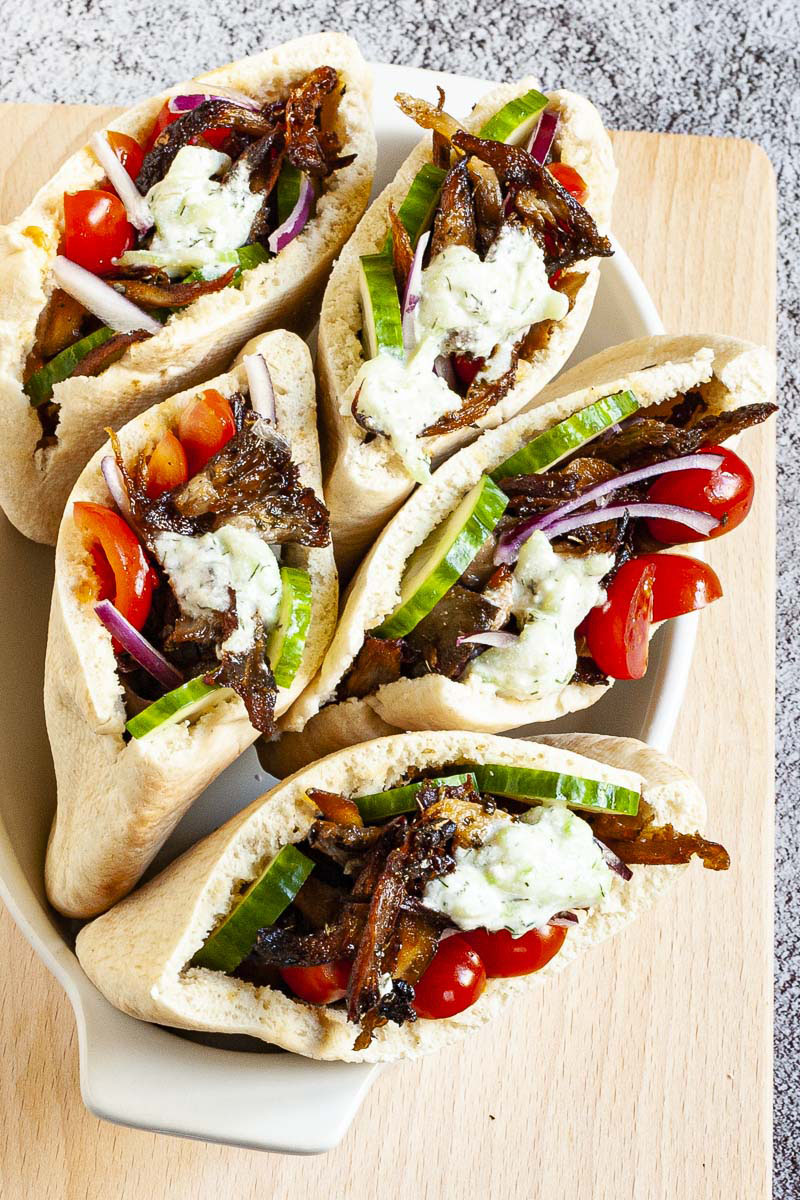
column 655, row 1084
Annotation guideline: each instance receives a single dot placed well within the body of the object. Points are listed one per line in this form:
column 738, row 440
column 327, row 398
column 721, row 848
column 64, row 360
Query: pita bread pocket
column 119, row 291
column 358, row 911
column 500, row 548
column 193, row 602
column 462, row 292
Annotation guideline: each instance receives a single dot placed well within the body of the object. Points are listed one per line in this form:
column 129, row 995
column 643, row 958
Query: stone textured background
column 712, row 68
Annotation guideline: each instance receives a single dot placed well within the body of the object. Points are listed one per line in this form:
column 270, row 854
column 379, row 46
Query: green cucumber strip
column 180, row 704
column 261, row 905
column 380, row 304
column 444, row 556
column 551, row 787
column 39, row 388
column 288, row 638
column 553, row 444
column 249, row 256
column 515, row 119
column 287, row 189
column 402, row 799
column 416, row 211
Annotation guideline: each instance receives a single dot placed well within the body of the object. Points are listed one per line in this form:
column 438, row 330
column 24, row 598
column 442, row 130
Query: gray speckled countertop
column 714, row 68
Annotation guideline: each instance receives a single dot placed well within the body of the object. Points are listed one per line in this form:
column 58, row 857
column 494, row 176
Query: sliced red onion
column 138, row 646
column 542, row 137
column 492, row 637
column 508, row 547
column 115, row 483
column 443, row 367
column 101, row 300
column 188, row 103
column 136, row 206
column 689, row 462
column 296, row 220
column 564, row 919
column 614, row 862
column 262, row 393
column 412, row 293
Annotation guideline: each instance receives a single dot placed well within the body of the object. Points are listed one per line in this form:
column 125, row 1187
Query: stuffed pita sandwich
column 394, row 896
column 195, row 595
column 195, row 220
column 529, row 572
column 461, row 294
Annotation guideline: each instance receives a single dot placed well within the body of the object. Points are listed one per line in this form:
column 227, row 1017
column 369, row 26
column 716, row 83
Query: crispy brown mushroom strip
column 428, row 116
column 175, row 295
column 440, row 153
column 208, row 115
column 402, row 251
column 666, row 846
column 454, row 224
column 481, row 396
column 335, row 807
column 308, row 147
column 103, row 356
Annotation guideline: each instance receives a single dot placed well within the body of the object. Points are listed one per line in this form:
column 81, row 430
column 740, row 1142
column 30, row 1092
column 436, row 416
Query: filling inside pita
column 400, row 904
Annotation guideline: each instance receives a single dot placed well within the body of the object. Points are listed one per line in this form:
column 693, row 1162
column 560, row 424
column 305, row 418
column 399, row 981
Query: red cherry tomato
column 503, row 955
column 618, row 632
column 216, row 137
column 453, row 981
column 569, row 179
column 466, row 367
column 166, row 467
column 107, row 534
column 682, row 584
column 726, row 493
column 319, row 985
column 127, row 150
column 205, row 426
column 96, row 229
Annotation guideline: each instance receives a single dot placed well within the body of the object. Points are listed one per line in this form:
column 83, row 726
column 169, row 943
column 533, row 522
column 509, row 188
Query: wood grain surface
column 644, row 1072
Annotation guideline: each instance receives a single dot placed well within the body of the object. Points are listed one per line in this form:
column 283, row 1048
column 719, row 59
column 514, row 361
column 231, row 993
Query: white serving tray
column 154, row 1078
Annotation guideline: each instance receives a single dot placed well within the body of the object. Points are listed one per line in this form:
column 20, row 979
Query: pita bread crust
column 731, row 373
column 118, row 801
column 137, row 954
column 372, row 470
column 195, row 343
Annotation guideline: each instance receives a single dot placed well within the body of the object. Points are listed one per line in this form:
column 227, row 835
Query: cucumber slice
column 39, row 388
column 416, row 211
column 262, row 904
column 444, row 556
column 183, row 702
column 549, row 447
column 515, row 120
column 380, row 304
column 288, row 638
column 287, row 190
column 401, row 799
column 551, row 787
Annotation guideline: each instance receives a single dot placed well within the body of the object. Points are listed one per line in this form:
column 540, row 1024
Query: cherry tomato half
column 466, row 367
column 166, row 467
column 216, row 137
column 569, row 179
column 134, row 579
column 726, row 493
column 618, row 632
column 96, row 229
column 205, row 426
column 453, row 981
column 127, row 150
column 503, row 955
column 319, row 985
column 682, row 584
